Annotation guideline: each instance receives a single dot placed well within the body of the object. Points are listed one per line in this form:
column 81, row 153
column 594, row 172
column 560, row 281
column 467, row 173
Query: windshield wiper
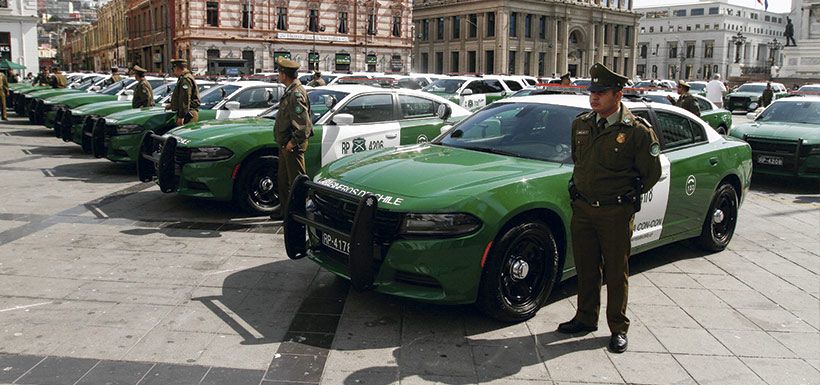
column 492, row 150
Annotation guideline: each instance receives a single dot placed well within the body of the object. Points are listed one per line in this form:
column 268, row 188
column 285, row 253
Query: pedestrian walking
column 685, row 99
column 616, row 160
column 185, row 98
column 715, row 90
column 4, row 93
column 292, row 129
column 143, row 94
column 768, row 95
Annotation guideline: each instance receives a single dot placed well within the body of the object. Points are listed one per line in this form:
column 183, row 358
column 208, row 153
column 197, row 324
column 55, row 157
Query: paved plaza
column 105, row 280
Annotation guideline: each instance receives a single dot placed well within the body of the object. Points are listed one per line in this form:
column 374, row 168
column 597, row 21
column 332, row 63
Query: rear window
column 513, row 85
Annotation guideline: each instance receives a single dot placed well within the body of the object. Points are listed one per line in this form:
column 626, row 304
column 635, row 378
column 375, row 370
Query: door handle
column 663, row 177
column 391, row 136
column 713, row 161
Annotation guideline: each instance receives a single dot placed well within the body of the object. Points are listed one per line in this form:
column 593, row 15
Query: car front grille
column 339, row 215
column 182, row 155
column 789, row 151
column 738, row 101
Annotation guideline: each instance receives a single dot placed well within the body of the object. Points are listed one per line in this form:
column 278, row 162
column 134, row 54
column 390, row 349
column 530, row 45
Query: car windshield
column 86, row 83
column 697, row 86
column 524, row 92
column 809, row 89
column 756, row 88
column 117, row 87
column 316, row 97
column 447, row 86
column 526, row 130
column 792, row 112
column 582, row 82
column 212, row 96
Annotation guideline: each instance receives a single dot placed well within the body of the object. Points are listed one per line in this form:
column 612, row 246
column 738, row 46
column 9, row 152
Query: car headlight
column 210, row 153
column 815, row 151
column 128, row 129
column 439, row 224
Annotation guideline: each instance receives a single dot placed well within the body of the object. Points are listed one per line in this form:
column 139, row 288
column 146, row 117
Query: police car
column 236, row 159
column 481, row 214
column 474, row 92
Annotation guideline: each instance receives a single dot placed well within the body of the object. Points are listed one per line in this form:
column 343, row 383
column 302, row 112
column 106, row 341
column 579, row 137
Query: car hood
column 213, row 131
column 72, row 101
column 47, row 93
column 779, row 130
column 137, row 116
column 91, row 108
column 430, row 171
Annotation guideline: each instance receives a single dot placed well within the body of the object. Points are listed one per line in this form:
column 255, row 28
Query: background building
column 150, row 26
column 695, row 41
column 247, row 36
column 803, row 61
column 18, row 33
column 524, row 36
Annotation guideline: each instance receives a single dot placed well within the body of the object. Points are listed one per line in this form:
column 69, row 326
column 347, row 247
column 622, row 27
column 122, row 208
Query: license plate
column 771, row 160
column 336, row 244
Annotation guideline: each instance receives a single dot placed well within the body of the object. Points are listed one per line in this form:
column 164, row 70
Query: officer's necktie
column 601, row 126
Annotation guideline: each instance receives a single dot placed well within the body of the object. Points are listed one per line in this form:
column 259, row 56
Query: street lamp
column 739, row 40
column 314, row 56
column 774, row 46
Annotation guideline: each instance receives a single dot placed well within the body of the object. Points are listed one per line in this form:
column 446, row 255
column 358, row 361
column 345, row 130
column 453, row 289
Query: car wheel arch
column 254, row 154
column 555, row 223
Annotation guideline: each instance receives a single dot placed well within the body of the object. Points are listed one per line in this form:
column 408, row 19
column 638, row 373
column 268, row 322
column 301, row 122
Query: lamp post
column 739, row 40
column 315, row 55
column 774, row 46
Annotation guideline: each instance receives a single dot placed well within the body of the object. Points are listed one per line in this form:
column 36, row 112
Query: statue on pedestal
column 789, row 33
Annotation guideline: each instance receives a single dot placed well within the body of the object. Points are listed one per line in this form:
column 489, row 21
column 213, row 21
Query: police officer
column 768, row 95
column 115, row 75
column 685, row 99
column 292, row 129
column 565, row 79
column 143, row 95
column 42, row 78
column 4, row 92
column 317, row 80
column 57, row 80
column 616, row 160
column 185, row 99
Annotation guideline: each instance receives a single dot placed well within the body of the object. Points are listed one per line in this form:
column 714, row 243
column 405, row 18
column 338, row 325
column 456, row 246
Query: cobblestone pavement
column 106, row 280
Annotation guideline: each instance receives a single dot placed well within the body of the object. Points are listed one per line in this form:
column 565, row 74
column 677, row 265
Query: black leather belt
column 627, row 198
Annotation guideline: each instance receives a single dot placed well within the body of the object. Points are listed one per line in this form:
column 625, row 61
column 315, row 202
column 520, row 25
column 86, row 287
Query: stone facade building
column 100, row 45
column 803, row 61
column 694, row 41
column 18, row 33
column 150, row 26
column 527, row 37
column 246, row 36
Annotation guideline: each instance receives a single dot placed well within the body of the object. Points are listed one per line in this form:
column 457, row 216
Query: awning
column 5, row 64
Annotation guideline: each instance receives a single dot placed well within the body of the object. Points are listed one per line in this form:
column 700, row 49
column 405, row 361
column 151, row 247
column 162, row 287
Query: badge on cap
column 655, row 149
column 621, row 138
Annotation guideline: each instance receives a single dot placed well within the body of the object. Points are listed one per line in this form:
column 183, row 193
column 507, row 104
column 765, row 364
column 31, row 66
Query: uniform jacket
column 688, row 103
column 293, row 120
column 115, row 78
column 143, row 95
column 767, row 97
column 607, row 162
column 185, row 96
column 316, row 83
column 58, row 80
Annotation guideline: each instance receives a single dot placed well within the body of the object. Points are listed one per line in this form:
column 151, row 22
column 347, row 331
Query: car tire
column 256, row 185
column 520, row 272
column 721, row 219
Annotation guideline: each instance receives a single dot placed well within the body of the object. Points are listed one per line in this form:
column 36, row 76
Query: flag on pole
column 764, row 3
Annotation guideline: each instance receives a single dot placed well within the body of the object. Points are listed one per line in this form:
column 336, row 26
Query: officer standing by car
column 768, row 95
column 616, row 160
column 4, row 92
column 115, row 75
column 185, row 98
column 292, row 129
column 685, row 99
column 57, row 80
column 143, row 94
column 565, row 79
column 317, row 80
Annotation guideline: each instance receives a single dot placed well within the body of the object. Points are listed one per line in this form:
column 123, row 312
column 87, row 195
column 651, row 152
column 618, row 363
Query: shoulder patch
column 655, row 149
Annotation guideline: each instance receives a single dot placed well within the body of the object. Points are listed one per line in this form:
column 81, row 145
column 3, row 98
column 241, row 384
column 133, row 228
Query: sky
column 779, row 6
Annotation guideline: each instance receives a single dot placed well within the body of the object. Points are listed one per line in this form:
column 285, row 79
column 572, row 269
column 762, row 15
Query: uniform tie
column 601, row 125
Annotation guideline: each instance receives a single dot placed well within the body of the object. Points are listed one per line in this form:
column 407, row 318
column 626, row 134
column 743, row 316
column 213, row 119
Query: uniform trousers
column 290, row 165
column 601, row 242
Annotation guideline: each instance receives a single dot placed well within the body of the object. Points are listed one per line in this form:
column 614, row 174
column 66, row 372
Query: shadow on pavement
column 95, row 172
column 174, row 232
column 775, row 184
column 33, row 133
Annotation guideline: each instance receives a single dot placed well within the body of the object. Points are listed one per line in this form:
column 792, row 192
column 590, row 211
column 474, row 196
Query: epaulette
column 643, row 121
column 586, row 115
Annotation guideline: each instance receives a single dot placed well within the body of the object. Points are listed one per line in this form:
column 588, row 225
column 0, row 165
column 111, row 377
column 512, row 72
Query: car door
column 649, row 222
column 254, row 100
column 374, row 126
column 477, row 99
column 418, row 120
column 691, row 178
column 707, row 113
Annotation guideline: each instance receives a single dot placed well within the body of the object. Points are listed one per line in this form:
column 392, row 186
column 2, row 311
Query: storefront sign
column 342, row 58
column 311, row 37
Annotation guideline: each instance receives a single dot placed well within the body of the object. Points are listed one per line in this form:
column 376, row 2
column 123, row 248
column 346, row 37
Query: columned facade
column 524, row 37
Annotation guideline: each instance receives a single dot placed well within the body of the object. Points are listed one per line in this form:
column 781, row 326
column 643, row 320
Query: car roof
column 801, row 98
column 252, row 83
column 760, row 83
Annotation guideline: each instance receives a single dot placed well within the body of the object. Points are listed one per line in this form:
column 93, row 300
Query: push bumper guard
column 99, row 147
column 156, row 159
column 88, row 129
column 360, row 239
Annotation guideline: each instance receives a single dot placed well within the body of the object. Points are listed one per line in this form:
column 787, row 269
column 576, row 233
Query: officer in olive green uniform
column 57, row 80
column 4, row 92
column 292, row 129
column 565, row 79
column 317, row 80
column 42, row 78
column 115, row 75
column 143, row 94
column 616, row 160
column 685, row 99
column 185, row 99
column 768, row 95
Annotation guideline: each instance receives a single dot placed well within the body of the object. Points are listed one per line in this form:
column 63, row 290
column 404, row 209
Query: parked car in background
column 745, row 98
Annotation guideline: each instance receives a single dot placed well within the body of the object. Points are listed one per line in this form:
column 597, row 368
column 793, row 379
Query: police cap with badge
column 604, row 79
column 179, row 63
column 684, row 84
column 139, row 70
column 287, row 63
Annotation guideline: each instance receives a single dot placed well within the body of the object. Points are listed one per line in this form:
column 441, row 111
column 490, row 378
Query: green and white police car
column 481, row 214
column 236, row 159
column 474, row 92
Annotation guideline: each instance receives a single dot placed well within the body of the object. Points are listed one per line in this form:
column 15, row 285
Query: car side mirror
column 445, row 128
column 343, row 119
column 232, row 106
column 467, row 92
column 444, row 111
column 751, row 115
